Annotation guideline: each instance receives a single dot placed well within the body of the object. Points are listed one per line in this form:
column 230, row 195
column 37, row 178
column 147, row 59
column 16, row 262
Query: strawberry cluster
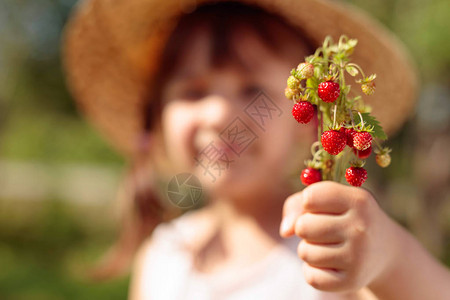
column 347, row 132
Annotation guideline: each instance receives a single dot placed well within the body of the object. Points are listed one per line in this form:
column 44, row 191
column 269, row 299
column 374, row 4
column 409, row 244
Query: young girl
column 215, row 111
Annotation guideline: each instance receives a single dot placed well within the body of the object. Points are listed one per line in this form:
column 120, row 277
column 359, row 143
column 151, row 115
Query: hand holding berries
column 347, row 241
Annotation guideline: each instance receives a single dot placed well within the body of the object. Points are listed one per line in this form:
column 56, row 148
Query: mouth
column 208, row 144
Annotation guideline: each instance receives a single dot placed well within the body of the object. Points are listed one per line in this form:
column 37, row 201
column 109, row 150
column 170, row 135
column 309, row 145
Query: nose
column 216, row 112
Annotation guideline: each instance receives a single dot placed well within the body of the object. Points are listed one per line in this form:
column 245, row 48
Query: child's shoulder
column 182, row 234
column 168, row 250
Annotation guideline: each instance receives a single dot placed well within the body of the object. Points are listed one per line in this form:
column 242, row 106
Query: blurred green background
column 57, row 174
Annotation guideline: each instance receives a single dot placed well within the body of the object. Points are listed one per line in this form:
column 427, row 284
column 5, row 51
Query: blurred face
column 243, row 158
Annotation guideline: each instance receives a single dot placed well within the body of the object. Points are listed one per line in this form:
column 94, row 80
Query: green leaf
column 333, row 48
column 351, row 70
column 352, row 43
column 372, row 77
column 378, row 131
column 346, row 89
column 357, row 98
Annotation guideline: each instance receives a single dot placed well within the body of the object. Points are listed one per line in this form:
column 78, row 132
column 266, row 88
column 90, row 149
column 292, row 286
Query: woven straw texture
column 112, row 49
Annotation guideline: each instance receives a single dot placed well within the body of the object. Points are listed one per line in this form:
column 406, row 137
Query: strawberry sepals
column 357, row 163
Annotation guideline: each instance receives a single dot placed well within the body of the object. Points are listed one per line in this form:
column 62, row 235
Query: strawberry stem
column 359, row 69
column 334, row 116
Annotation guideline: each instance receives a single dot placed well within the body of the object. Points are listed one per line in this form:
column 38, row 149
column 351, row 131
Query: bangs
column 222, row 21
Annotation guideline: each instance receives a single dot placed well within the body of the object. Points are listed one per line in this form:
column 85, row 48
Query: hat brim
column 112, row 50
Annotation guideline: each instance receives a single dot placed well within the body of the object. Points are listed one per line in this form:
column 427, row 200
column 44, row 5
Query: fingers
column 321, row 229
column 323, row 256
column 326, row 198
column 334, row 222
column 292, row 209
column 323, row 279
column 322, row 197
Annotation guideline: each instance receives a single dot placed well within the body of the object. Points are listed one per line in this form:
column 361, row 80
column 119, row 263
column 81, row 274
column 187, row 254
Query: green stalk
column 319, row 124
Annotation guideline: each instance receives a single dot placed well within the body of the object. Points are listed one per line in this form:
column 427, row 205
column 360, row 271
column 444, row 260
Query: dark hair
column 223, row 20
column 144, row 209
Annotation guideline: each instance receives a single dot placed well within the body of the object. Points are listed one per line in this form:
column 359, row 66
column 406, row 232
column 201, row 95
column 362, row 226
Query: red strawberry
column 333, row 141
column 303, row 111
column 363, row 154
column 350, row 132
column 310, row 176
column 356, row 176
column 329, row 91
column 362, row 140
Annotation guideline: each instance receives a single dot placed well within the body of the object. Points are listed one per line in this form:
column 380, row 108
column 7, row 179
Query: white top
column 168, row 272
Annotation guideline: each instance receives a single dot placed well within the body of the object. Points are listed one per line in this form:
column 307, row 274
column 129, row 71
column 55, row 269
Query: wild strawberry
column 363, row 154
column 329, row 91
column 356, row 176
column 383, row 160
column 333, row 141
column 349, row 133
column 303, row 112
column 293, row 82
column 305, row 70
column 289, row 93
column 350, row 136
column 310, row 176
column 362, row 140
column 329, row 163
column 368, row 88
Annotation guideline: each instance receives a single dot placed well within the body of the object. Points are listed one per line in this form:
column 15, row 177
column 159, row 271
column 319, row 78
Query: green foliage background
column 47, row 246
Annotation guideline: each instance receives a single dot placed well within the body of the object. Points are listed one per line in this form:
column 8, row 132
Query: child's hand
column 347, row 240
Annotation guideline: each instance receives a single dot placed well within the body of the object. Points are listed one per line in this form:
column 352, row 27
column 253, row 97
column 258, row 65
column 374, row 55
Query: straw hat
column 112, row 50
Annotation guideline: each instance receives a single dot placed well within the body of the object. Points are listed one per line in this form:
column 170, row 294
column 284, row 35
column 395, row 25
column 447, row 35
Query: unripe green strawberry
column 292, row 83
column 305, row 70
column 383, row 160
column 289, row 93
column 368, row 88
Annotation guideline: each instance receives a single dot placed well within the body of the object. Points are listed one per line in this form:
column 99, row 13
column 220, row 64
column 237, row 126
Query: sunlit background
column 57, row 174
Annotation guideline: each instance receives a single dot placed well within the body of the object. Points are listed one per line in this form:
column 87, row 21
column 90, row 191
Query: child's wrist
column 399, row 245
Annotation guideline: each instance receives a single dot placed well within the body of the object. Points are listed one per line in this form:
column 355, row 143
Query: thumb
column 292, row 209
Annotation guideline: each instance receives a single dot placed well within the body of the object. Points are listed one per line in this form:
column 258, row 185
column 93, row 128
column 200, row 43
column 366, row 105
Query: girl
column 213, row 112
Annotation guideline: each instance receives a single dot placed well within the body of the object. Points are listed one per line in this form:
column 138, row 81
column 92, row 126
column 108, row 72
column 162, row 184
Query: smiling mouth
column 209, row 143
